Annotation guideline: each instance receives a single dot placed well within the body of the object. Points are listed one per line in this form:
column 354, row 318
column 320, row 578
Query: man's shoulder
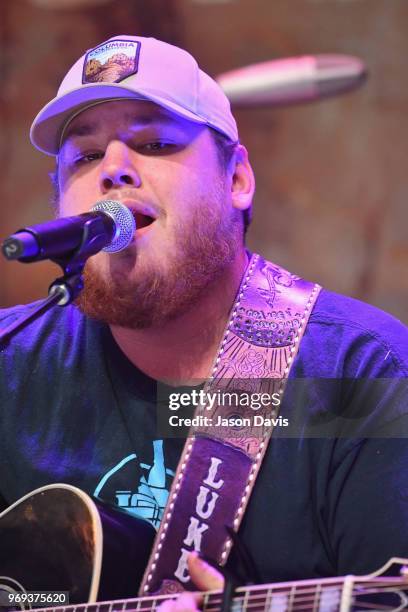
column 13, row 313
column 343, row 326
column 51, row 327
column 10, row 314
column 343, row 309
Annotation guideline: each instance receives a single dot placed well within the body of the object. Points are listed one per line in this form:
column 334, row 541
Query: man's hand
column 205, row 578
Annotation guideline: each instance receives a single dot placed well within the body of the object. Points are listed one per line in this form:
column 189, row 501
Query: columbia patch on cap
column 111, row 62
column 133, row 67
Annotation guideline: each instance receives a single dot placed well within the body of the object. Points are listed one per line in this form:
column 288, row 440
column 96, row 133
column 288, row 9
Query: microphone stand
column 66, row 288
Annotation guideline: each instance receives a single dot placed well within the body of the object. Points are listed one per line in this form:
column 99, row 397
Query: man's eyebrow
column 149, row 119
column 86, row 129
column 89, row 129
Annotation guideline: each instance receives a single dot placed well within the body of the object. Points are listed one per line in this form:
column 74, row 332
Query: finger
column 204, row 576
column 185, row 602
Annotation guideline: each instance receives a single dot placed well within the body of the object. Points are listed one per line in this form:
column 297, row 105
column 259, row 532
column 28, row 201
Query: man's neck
column 183, row 350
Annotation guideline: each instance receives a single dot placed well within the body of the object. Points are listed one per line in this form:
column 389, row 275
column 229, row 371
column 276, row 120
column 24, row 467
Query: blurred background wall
column 331, row 202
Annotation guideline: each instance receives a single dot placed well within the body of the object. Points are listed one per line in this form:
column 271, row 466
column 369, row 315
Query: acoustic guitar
column 58, row 544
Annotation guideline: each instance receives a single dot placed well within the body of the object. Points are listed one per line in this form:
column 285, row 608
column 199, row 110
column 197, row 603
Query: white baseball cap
column 126, row 67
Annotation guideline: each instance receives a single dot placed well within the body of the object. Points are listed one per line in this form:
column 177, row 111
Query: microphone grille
column 124, row 222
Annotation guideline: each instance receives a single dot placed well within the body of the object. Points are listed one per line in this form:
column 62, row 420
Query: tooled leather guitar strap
column 219, row 464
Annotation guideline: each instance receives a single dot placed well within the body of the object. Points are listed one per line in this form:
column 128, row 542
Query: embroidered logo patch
column 111, row 62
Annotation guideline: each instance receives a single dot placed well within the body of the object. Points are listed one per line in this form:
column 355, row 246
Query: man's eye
column 159, row 146
column 86, row 158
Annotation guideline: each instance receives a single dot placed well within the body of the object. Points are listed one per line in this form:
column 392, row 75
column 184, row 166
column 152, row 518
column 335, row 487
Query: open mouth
column 142, row 220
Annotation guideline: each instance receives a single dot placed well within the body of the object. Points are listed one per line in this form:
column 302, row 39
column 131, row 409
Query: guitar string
column 299, row 599
column 310, row 603
column 295, row 607
column 306, row 607
column 123, row 606
column 298, row 602
column 254, row 599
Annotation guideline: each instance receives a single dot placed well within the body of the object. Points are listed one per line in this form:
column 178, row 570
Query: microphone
column 109, row 226
column 292, row 80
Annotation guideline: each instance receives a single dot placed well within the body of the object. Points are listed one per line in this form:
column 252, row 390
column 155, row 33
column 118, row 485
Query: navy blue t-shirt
column 332, row 495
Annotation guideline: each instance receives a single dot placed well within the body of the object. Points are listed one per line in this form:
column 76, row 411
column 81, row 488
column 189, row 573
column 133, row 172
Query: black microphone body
column 54, row 239
column 109, row 225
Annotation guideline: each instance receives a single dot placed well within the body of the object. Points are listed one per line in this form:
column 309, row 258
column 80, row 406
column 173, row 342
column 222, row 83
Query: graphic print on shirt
column 148, row 488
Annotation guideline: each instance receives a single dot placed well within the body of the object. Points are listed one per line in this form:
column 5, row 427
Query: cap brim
column 48, row 126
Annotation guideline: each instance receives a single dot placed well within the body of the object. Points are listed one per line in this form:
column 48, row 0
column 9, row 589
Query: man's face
column 167, row 171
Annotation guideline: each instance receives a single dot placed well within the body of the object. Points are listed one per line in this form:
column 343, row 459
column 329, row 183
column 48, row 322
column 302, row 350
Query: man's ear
column 243, row 180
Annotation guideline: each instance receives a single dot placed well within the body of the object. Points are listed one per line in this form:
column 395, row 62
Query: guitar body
column 58, row 539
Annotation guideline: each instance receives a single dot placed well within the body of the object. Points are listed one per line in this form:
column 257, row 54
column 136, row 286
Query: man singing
column 136, row 121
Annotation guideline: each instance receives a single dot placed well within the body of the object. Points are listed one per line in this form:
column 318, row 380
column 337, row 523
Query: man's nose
column 118, row 167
